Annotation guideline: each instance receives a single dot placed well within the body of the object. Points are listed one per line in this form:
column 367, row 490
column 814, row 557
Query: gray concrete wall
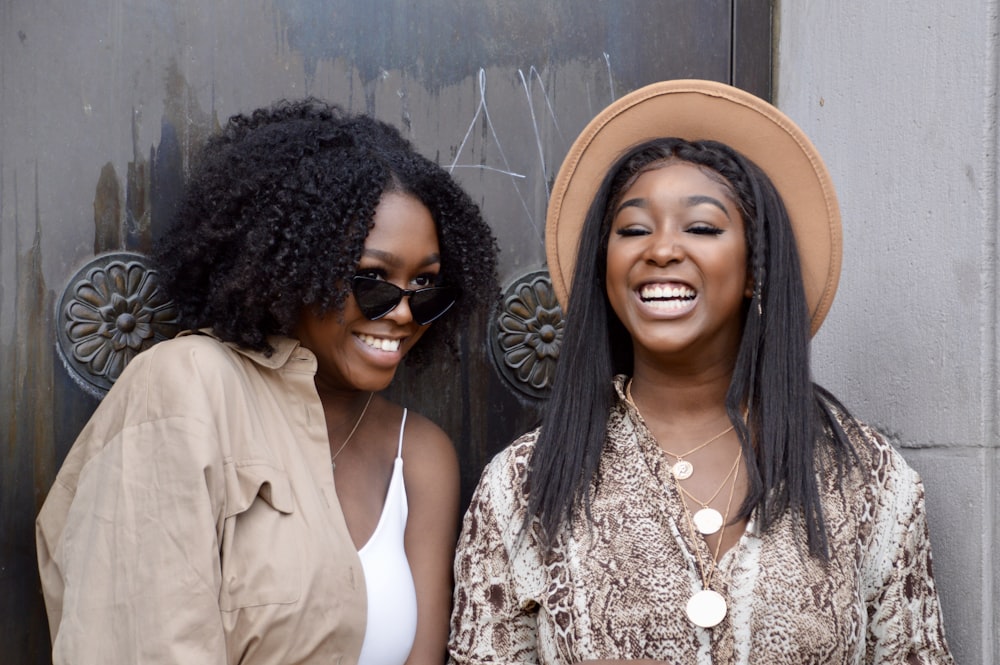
column 901, row 99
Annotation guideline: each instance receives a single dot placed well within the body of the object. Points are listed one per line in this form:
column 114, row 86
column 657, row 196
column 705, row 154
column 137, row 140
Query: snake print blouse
column 615, row 587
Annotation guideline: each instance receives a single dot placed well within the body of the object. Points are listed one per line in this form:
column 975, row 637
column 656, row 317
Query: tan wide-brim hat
column 695, row 110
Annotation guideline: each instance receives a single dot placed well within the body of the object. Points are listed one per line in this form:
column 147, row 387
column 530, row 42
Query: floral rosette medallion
column 111, row 310
column 528, row 334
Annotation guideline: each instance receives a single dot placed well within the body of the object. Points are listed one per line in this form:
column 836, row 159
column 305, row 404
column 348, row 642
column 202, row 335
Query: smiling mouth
column 380, row 343
column 666, row 297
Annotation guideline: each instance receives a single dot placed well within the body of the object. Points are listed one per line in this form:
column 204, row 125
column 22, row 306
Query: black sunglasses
column 377, row 297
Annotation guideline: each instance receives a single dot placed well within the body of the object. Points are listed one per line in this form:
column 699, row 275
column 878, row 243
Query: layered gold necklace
column 706, row 607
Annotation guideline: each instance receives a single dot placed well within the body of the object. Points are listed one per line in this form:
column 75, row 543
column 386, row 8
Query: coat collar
column 284, row 349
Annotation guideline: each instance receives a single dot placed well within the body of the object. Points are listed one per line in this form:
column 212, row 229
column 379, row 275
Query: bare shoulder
column 422, row 437
column 429, row 457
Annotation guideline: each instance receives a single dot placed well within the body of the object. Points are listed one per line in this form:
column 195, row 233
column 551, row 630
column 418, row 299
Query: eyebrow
column 631, row 203
column 393, row 260
column 698, row 199
column 690, row 202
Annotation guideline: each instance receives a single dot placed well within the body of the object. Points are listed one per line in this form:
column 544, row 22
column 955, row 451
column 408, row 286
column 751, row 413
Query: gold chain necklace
column 357, row 423
column 707, row 608
column 682, row 469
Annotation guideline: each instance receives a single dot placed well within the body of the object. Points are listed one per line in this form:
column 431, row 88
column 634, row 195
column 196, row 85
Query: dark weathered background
column 102, row 103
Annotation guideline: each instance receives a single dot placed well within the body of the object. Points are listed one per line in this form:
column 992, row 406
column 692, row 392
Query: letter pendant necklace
column 682, row 469
column 357, row 423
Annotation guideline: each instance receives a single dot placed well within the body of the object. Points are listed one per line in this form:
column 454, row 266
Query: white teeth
column 667, row 305
column 380, row 343
column 671, row 295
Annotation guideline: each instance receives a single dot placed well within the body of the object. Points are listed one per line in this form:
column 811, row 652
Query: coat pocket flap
column 249, row 480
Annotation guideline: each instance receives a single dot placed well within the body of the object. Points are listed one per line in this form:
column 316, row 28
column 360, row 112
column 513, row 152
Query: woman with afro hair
column 243, row 494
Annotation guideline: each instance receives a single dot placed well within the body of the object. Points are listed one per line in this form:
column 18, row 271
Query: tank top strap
column 402, row 426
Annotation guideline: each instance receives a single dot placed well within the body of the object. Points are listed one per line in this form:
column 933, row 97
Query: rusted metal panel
column 103, row 104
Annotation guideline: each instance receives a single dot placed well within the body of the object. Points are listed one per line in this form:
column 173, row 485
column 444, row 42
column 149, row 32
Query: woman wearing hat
column 691, row 496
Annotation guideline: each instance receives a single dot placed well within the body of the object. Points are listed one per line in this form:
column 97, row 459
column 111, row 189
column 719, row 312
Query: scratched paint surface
column 103, row 105
column 451, row 38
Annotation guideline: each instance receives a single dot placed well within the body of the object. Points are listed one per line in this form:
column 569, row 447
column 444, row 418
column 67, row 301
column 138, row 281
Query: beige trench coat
column 195, row 519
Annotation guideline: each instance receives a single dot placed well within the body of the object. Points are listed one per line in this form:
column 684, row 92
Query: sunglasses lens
column 430, row 304
column 375, row 297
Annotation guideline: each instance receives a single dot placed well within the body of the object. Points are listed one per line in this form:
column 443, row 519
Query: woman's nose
column 401, row 313
column 665, row 247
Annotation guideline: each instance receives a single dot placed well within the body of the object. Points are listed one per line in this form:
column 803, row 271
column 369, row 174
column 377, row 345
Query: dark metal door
column 102, row 104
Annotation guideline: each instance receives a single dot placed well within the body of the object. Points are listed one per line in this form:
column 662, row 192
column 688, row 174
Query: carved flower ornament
column 529, row 335
column 112, row 310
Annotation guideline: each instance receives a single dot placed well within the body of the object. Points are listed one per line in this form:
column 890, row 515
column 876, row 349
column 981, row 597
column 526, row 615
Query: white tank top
column 392, row 598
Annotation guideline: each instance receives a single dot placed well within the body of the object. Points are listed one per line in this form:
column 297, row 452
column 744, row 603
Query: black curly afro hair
column 276, row 212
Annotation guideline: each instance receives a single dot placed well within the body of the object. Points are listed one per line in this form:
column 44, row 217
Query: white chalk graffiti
column 532, row 85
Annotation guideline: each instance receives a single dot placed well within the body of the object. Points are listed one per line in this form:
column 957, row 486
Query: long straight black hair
column 787, row 415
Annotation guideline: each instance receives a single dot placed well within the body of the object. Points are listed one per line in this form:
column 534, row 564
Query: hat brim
column 697, row 110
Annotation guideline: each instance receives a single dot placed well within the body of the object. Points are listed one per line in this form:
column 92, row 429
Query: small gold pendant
column 706, row 608
column 708, row 521
column 682, row 470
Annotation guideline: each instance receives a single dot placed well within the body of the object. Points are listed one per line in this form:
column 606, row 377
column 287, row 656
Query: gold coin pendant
column 707, row 521
column 682, row 470
column 706, row 608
